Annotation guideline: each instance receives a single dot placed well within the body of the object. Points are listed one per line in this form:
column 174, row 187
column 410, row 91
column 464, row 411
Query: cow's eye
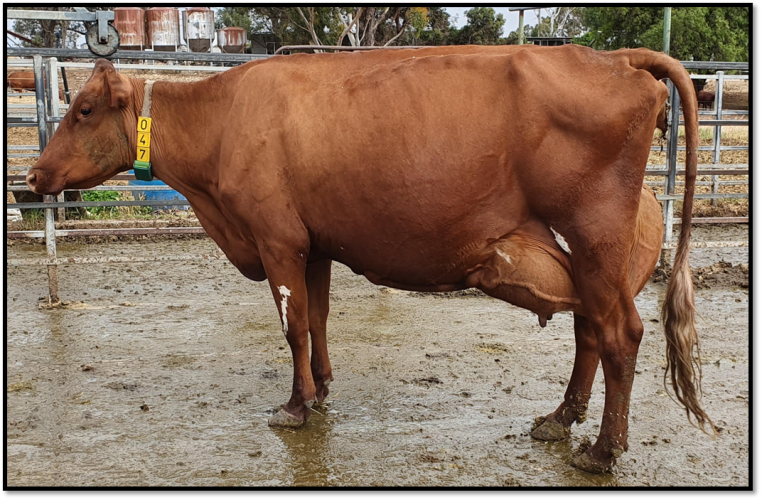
column 85, row 111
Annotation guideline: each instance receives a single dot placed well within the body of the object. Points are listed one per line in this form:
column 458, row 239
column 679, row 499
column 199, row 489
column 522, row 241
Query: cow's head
column 92, row 142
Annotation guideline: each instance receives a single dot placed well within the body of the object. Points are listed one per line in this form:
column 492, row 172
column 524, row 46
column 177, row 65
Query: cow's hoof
column 548, row 430
column 321, row 392
column 588, row 463
column 285, row 419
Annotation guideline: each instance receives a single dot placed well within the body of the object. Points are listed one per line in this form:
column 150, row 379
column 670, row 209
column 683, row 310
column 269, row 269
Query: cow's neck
column 187, row 119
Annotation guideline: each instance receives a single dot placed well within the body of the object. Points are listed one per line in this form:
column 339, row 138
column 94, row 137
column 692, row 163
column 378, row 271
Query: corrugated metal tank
column 198, row 28
column 130, row 22
column 232, row 40
column 163, row 28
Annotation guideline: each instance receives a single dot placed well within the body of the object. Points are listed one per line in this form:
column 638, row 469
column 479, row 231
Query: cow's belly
column 438, row 259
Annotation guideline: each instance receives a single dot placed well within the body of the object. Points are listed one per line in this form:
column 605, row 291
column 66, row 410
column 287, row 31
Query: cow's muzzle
column 41, row 182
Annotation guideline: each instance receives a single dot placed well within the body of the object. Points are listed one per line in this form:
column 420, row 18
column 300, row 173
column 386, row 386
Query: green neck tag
column 142, row 170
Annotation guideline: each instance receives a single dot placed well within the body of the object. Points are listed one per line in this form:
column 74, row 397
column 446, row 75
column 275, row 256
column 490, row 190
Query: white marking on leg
column 561, row 241
column 504, row 255
column 285, row 293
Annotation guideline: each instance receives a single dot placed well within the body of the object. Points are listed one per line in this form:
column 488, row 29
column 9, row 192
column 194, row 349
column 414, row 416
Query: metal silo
column 198, row 28
column 163, row 28
column 131, row 25
column 232, row 40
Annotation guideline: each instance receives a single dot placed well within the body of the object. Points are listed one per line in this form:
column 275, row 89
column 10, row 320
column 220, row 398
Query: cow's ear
column 118, row 88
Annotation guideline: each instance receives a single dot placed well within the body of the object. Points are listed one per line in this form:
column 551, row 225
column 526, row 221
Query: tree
column 513, row 36
column 47, row 33
column 699, row 33
column 483, row 27
column 354, row 26
column 558, row 22
column 438, row 31
column 233, row 17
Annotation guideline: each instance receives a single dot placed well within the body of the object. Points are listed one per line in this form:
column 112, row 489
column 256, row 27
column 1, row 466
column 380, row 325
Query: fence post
column 50, row 227
column 717, row 132
column 54, row 111
column 673, row 120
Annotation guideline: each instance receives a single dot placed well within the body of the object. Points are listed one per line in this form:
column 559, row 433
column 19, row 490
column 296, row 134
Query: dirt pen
column 164, row 373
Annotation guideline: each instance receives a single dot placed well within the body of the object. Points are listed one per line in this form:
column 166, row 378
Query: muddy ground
column 165, row 374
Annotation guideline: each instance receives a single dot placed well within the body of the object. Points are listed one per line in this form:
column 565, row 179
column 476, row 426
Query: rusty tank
column 198, row 28
column 163, row 28
column 130, row 22
column 232, row 40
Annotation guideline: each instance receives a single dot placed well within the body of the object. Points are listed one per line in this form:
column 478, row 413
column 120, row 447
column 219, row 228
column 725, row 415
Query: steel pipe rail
column 135, row 55
column 46, row 111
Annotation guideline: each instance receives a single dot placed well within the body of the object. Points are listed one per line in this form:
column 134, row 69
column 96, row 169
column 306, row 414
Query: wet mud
column 165, row 375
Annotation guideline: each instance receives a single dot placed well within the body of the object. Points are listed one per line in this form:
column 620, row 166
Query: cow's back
column 393, row 151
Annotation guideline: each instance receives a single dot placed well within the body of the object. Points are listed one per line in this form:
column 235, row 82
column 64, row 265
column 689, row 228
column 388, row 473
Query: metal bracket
column 100, row 44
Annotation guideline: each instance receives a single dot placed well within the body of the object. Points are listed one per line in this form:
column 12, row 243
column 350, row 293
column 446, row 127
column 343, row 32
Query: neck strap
column 142, row 165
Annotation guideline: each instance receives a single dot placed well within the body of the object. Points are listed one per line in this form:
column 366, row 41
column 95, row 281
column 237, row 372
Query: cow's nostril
column 31, row 180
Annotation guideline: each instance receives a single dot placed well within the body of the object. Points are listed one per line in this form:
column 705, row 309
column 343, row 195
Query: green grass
column 114, row 212
column 34, row 215
column 101, row 212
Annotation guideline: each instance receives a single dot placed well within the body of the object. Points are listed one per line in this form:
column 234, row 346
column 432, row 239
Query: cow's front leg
column 286, row 275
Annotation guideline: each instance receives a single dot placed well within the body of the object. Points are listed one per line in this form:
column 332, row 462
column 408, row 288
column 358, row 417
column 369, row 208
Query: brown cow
column 20, row 81
column 433, row 170
column 705, row 99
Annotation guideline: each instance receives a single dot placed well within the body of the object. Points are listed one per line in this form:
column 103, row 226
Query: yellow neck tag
column 144, row 124
column 142, row 165
column 144, row 139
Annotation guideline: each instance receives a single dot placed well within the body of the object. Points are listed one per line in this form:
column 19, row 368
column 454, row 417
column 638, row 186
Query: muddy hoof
column 592, row 465
column 550, row 431
column 285, row 419
column 322, row 392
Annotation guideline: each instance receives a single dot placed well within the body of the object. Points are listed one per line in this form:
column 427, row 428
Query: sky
column 458, row 19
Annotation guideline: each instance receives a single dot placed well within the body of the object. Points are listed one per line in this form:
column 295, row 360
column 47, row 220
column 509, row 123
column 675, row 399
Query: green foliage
column 233, row 17
column 375, row 26
column 513, row 36
column 100, row 212
column 100, row 195
column 418, row 18
column 698, row 33
column 587, row 39
column 438, row 31
column 33, row 215
column 483, row 28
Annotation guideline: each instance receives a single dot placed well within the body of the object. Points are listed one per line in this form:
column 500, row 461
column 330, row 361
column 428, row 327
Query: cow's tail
column 678, row 313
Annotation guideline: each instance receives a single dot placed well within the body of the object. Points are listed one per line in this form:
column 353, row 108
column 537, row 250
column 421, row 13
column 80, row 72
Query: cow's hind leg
column 318, row 286
column 601, row 267
column 556, row 426
column 618, row 332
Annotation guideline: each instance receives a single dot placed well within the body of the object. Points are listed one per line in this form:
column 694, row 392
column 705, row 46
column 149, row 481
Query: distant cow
column 20, row 81
column 705, row 99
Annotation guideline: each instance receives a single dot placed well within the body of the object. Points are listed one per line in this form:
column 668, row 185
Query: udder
column 528, row 270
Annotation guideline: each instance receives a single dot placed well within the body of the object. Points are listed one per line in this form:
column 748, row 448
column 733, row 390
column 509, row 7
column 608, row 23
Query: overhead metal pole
column 521, row 27
column 667, row 28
